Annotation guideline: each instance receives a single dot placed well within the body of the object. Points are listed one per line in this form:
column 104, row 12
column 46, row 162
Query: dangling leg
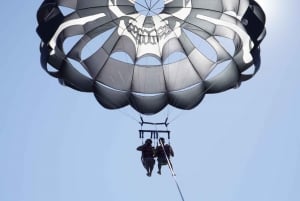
column 144, row 162
column 148, row 166
column 152, row 162
column 159, row 168
column 148, row 172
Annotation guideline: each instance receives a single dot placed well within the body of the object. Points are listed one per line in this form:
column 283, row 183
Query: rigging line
column 154, row 4
column 127, row 115
column 172, row 170
column 148, row 6
column 150, row 3
column 178, row 187
column 138, row 3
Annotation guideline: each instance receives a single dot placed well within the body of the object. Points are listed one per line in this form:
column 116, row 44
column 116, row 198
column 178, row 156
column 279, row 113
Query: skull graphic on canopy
column 171, row 50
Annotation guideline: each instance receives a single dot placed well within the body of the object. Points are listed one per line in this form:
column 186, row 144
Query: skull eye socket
column 149, row 7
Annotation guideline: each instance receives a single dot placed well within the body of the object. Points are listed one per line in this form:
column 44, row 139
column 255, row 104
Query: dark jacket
column 159, row 152
column 147, row 151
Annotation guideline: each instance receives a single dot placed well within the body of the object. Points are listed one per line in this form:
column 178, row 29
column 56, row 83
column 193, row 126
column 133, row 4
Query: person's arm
column 171, row 151
column 140, row 148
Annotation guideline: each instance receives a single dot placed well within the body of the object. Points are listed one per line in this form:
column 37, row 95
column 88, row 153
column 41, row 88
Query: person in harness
column 161, row 154
column 147, row 156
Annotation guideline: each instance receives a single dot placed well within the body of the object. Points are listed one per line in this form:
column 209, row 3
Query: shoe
column 159, row 172
column 148, row 174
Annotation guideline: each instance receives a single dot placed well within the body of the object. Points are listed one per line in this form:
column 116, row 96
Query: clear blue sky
column 59, row 144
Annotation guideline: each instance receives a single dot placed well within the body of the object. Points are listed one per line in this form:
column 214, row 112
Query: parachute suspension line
column 128, row 115
column 172, row 171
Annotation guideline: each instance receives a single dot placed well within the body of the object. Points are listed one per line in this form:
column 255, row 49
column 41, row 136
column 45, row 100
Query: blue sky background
column 59, row 144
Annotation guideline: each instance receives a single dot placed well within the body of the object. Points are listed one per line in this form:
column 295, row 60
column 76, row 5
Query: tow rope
column 172, row 170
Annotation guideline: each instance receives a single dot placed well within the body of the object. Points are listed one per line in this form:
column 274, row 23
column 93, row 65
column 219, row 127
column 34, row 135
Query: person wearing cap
column 161, row 152
column 147, row 156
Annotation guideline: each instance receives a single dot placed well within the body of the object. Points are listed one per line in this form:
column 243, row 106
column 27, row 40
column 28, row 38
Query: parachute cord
column 172, row 171
column 182, row 198
column 128, row 115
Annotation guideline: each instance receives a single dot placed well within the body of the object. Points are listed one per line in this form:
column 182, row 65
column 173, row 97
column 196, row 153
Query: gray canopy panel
column 151, row 53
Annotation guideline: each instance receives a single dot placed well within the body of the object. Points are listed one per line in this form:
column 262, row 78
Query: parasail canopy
column 151, row 53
